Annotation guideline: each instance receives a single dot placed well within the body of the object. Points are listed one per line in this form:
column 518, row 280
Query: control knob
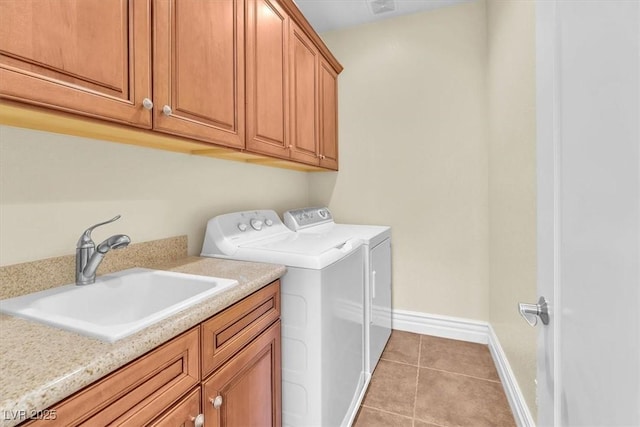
column 268, row 222
column 256, row 224
column 242, row 226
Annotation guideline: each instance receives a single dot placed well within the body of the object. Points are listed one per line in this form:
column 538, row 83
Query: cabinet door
column 199, row 70
column 90, row 57
column 304, row 97
column 267, row 78
column 246, row 390
column 183, row 414
column 328, row 116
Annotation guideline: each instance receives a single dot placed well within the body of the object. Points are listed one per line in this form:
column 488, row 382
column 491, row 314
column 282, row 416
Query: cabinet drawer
column 138, row 392
column 229, row 331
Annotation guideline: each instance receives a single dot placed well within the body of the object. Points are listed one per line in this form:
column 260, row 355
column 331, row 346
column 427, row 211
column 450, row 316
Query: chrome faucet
column 88, row 258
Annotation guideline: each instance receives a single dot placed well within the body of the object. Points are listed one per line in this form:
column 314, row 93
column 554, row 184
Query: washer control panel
column 225, row 233
column 247, row 221
column 297, row 219
column 256, row 224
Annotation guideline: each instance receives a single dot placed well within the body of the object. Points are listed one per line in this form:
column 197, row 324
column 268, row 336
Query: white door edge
column 547, row 146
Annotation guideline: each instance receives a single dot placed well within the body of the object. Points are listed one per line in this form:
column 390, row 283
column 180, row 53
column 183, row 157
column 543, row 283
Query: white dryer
column 323, row 374
column 377, row 262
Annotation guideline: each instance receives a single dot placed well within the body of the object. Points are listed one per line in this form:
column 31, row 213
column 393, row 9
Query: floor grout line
column 415, row 396
column 461, row 374
column 386, row 412
column 400, row 362
column 429, row 422
column 440, row 370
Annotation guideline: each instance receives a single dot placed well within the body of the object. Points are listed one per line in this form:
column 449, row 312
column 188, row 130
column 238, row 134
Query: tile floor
column 425, row 381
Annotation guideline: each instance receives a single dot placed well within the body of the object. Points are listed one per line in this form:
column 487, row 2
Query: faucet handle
column 85, row 239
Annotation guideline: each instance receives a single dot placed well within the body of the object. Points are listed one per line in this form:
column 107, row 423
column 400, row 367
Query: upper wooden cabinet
column 291, row 97
column 90, row 57
column 328, row 151
column 198, row 69
column 305, row 121
column 267, row 78
column 251, row 75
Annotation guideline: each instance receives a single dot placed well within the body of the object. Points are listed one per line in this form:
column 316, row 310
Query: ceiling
column 326, row 15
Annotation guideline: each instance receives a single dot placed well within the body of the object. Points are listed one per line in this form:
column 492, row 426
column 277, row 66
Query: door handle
column 531, row 312
column 373, row 284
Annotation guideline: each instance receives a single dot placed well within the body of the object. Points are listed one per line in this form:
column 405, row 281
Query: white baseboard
column 516, row 400
column 441, row 326
column 472, row 331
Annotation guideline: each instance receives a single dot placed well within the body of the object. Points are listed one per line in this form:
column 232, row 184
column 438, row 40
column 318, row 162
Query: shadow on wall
column 321, row 188
column 54, row 186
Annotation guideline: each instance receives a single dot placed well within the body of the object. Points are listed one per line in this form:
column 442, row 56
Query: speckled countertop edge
column 42, row 365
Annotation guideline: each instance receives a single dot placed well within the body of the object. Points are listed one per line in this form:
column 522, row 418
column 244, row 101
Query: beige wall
column 412, row 112
column 54, row 186
column 512, row 182
column 437, row 131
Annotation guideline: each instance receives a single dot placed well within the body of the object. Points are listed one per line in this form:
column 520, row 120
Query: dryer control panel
column 297, row 219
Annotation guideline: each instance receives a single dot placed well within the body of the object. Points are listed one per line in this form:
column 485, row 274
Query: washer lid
column 371, row 235
column 301, row 244
column 314, row 258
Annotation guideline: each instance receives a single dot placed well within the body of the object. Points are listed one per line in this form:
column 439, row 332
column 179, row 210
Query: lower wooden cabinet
column 185, row 413
column 137, row 393
column 225, row 334
column 171, row 386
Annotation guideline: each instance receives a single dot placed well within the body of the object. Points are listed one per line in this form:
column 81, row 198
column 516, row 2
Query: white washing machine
column 323, row 374
column 377, row 261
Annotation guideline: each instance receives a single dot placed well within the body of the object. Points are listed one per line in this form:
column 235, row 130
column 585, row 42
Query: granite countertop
column 42, row 365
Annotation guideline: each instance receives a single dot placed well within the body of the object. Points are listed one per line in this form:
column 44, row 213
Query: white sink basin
column 116, row 305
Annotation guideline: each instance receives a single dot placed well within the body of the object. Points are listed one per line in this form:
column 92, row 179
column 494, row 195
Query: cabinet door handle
column 147, row 104
column 166, row 110
column 217, row 402
column 198, row 421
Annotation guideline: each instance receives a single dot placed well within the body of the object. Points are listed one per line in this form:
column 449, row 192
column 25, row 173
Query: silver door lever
column 531, row 312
